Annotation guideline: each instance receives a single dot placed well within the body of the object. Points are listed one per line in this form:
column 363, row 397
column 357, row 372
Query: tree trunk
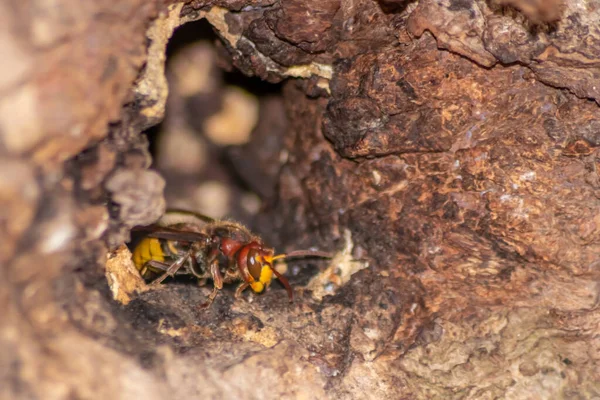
column 446, row 153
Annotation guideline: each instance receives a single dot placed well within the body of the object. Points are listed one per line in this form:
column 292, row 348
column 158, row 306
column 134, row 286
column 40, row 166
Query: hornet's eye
column 254, row 266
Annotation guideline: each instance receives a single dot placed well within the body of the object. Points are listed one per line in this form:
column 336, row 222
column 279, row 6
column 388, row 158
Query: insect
column 184, row 242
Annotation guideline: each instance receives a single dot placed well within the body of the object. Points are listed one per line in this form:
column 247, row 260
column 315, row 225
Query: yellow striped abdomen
column 148, row 249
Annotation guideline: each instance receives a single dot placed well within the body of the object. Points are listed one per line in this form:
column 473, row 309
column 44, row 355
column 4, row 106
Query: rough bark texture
column 451, row 144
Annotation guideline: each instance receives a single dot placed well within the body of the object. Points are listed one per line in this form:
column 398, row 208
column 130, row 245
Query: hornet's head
column 255, row 263
column 256, row 266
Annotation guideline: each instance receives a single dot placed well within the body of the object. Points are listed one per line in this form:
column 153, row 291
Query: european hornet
column 184, row 242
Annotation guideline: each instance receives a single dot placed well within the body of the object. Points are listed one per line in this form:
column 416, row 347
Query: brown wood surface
column 453, row 145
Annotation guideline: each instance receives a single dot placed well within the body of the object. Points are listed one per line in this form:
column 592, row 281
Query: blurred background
column 220, row 144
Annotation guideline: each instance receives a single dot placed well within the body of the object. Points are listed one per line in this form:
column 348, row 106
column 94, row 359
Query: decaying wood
column 451, row 146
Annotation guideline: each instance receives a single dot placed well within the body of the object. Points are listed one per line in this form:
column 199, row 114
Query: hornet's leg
column 240, row 289
column 211, row 298
column 217, row 281
column 171, row 271
column 156, row 265
column 147, row 273
column 162, row 266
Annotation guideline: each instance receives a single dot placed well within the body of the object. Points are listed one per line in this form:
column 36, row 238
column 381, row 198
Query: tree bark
column 447, row 152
